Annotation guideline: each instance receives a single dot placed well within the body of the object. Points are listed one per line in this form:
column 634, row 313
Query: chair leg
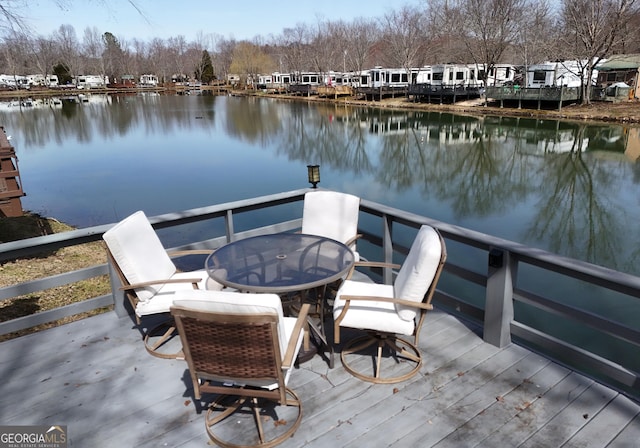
column 153, row 346
column 400, row 348
column 267, row 436
column 256, row 414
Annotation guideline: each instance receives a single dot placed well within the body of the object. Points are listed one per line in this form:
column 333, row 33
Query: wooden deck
column 95, row 377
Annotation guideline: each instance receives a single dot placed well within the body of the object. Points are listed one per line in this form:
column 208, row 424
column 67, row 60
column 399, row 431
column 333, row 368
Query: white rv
column 14, row 81
column 389, row 77
column 148, row 80
column 452, row 75
column 555, row 74
column 41, row 80
column 424, row 75
column 91, row 81
column 498, row 75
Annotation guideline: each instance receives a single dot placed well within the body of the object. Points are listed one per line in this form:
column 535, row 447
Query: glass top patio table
column 278, row 263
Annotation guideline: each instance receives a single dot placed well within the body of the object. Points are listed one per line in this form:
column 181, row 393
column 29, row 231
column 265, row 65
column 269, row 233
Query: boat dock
column 10, row 186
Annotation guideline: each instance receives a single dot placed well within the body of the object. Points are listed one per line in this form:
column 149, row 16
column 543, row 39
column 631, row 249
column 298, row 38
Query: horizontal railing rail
column 496, row 274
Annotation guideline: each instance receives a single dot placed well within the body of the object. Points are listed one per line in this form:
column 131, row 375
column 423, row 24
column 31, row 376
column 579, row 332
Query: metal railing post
column 498, row 312
column 387, row 247
column 119, row 298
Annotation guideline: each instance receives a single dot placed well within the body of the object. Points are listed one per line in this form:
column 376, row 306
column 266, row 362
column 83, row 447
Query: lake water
column 568, row 188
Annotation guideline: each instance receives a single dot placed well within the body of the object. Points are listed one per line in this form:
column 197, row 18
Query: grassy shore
column 43, row 265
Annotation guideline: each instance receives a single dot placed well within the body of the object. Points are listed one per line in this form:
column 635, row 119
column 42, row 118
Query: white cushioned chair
column 241, row 347
column 148, row 275
column 332, row 215
column 389, row 312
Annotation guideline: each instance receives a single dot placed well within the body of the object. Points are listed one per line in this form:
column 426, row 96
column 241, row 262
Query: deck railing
column 486, row 280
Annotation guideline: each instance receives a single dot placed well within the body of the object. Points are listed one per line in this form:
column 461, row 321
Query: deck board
column 95, row 377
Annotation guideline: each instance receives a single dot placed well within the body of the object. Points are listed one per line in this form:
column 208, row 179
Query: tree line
column 485, row 32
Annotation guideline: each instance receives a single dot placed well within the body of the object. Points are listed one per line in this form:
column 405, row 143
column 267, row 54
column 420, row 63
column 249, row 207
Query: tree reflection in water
column 575, row 213
column 560, row 186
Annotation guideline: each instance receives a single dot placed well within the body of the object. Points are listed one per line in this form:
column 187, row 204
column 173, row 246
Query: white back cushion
column 236, row 303
column 331, row 214
column 418, row 270
column 137, row 250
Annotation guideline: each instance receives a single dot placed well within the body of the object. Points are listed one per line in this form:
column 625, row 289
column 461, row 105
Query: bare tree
column 177, row 47
column 445, row 19
column 44, row 54
column 14, row 50
column 490, row 28
column 591, row 29
column 536, row 40
column 404, row 33
column 68, row 46
column 249, row 60
column 294, row 44
column 322, row 50
column 158, row 59
column 93, row 49
column 362, row 34
column 12, row 18
column 223, row 55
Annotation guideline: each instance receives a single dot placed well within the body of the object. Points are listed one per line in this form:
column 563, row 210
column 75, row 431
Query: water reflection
column 566, row 187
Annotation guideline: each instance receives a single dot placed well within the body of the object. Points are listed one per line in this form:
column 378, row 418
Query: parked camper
column 148, row 80
column 498, row 75
column 280, row 79
column 264, row 81
column 308, row 78
column 450, row 75
column 555, row 74
column 91, row 81
column 424, row 75
column 390, row 77
column 14, row 81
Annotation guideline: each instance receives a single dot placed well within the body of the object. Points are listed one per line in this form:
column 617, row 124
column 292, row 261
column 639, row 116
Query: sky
column 238, row 19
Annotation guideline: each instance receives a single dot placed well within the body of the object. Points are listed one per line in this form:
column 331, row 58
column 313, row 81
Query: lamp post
column 313, row 174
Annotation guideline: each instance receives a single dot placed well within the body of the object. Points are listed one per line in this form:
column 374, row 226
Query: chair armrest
column 421, row 305
column 371, row 264
column 182, row 253
column 193, row 281
column 287, row 361
column 352, row 240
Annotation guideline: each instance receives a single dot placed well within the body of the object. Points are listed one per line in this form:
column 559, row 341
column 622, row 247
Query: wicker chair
column 149, row 277
column 386, row 311
column 241, row 347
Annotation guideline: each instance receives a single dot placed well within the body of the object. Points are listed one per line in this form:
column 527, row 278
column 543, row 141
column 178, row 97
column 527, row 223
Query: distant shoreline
column 627, row 112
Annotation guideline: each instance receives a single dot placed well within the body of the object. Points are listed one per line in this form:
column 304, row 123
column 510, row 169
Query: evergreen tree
column 205, row 70
column 62, row 72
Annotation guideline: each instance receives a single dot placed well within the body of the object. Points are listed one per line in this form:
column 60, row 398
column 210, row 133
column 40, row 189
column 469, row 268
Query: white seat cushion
column 370, row 314
column 161, row 302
